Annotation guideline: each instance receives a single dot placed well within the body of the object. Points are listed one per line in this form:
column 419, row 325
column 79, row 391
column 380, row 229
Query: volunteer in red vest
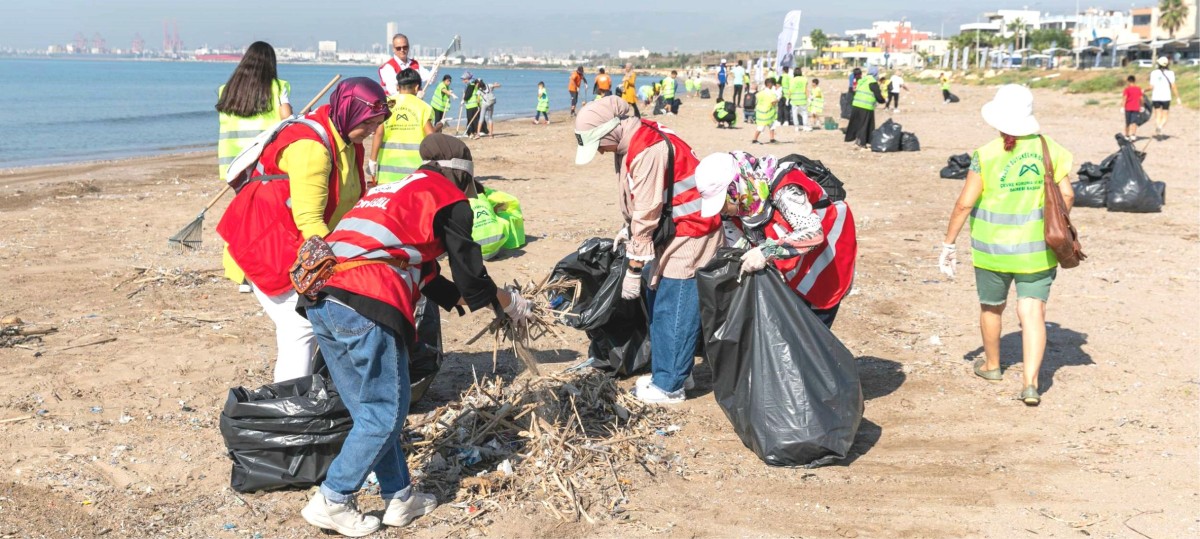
column 363, row 319
column 644, row 152
column 790, row 222
column 306, row 180
column 397, row 63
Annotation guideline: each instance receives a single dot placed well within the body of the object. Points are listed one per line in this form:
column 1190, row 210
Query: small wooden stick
column 101, row 341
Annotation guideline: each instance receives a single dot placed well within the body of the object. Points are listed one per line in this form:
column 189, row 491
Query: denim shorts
column 993, row 286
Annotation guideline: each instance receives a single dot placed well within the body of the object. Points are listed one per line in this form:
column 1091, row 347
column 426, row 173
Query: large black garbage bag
column 283, row 435
column 786, row 383
column 1090, row 193
column 846, row 104
column 956, row 167
column 704, row 94
column 1090, row 171
column 618, row 328
column 954, row 98
column 909, row 142
column 1129, row 189
column 1143, row 115
column 886, row 138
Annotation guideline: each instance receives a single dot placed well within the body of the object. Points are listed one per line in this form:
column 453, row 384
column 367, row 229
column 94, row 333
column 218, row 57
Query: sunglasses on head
column 376, row 107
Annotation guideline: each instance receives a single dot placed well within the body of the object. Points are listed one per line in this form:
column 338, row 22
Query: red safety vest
column 386, row 75
column 393, row 221
column 258, row 224
column 825, row 274
column 686, row 202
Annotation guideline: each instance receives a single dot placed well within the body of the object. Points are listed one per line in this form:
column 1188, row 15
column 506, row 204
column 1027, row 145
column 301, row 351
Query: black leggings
column 893, row 98
column 946, row 95
column 737, row 93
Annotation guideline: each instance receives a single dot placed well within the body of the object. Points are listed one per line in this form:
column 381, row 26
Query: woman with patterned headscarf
column 307, row 178
column 790, row 221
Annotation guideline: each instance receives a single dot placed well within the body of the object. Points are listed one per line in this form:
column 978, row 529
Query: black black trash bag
column 1090, row 193
column 704, row 94
column 1090, row 171
column 1129, row 188
column 1161, row 189
column 818, row 172
column 786, row 383
column 425, row 355
column 660, row 107
column 886, row 138
column 954, row 98
column 283, row 435
column 618, row 328
column 846, row 104
column 962, row 160
column 909, row 142
column 953, row 173
column 1144, row 114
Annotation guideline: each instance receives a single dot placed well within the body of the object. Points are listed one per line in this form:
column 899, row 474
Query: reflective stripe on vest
column 668, row 88
column 831, row 239
column 864, row 98
column 377, row 232
column 486, row 230
column 236, row 132
column 1007, row 227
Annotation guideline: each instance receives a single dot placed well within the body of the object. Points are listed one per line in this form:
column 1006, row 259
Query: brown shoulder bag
column 1061, row 236
column 316, row 263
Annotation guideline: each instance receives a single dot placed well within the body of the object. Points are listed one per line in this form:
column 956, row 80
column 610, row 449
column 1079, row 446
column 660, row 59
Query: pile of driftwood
column 571, row 445
column 540, row 323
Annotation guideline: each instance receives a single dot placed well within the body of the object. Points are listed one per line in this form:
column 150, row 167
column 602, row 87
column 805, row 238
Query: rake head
column 190, row 237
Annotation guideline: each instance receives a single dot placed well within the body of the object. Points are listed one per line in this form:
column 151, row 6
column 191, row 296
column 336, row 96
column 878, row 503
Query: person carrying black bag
column 665, row 234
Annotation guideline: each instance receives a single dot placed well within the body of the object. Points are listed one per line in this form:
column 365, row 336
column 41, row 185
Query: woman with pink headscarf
column 307, row 178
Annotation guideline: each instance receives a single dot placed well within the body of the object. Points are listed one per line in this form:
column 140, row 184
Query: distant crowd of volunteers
column 384, row 220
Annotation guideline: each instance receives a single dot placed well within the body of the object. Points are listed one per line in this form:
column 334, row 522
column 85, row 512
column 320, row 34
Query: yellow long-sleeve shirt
column 308, row 165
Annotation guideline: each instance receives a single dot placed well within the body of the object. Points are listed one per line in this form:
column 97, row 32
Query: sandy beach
column 108, row 427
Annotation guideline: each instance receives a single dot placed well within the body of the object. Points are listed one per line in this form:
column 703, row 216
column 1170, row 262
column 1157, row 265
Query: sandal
column 1030, row 396
column 993, row 375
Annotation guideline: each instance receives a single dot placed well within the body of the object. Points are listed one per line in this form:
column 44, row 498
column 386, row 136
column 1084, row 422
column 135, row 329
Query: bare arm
column 285, row 111
column 1068, row 193
column 971, row 191
column 429, row 129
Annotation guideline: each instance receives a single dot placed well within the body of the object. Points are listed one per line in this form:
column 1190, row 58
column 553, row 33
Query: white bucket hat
column 1163, row 61
column 713, row 176
column 1011, row 111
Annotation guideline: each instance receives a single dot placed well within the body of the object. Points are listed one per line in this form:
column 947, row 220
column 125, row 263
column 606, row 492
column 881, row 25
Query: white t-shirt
column 739, row 73
column 897, row 82
column 1161, row 81
column 388, row 72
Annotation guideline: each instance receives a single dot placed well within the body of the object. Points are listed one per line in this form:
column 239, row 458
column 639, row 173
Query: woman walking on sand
column 1003, row 197
column 306, row 180
column 250, row 102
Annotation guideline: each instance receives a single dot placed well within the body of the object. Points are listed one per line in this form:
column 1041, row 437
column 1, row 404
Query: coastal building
column 641, row 53
column 327, row 50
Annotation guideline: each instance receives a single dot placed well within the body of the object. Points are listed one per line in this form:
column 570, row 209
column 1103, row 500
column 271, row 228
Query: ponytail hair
column 1010, row 141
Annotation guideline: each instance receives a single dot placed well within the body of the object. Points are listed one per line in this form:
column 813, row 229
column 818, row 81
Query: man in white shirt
column 1162, row 84
column 739, row 75
column 397, row 63
column 894, row 86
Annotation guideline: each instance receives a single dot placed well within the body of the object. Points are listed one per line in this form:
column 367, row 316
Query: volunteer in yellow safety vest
column 816, row 102
column 798, row 100
column 441, row 100
column 766, row 110
column 1004, row 197
column 668, row 93
column 398, row 140
column 862, row 110
column 784, row 82
column 252, row 101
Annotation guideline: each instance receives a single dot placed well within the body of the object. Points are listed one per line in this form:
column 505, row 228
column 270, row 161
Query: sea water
column 66, row 110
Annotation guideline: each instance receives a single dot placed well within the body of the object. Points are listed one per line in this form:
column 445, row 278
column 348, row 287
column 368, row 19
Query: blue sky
column 563, row 26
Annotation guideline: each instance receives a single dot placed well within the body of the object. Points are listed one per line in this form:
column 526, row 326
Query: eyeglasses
column 376, row 107
column 401, row 47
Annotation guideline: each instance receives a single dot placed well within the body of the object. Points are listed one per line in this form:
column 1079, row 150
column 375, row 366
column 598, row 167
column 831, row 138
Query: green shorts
column 993, row 285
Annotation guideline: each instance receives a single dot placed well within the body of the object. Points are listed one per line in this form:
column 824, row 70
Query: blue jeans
column 369, row 367
column 674, row 331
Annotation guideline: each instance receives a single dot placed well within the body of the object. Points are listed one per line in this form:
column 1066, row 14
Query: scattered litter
column 230, row 526
column 97, row 409
column 935, row 341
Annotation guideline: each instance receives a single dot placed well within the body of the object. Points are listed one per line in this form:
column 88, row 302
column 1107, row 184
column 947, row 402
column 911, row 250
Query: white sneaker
column 651, row 394
column 399, row 513
column 644, row 381
column 244, row 288
column 344, row 518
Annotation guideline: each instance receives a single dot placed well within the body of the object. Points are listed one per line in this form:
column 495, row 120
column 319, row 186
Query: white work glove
column 631, row 285
column 948, row 260
column 753, row 260
column 620, row 238
column 372, row 167
column 519, row 309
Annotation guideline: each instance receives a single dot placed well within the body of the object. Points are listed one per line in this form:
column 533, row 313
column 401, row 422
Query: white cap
column 713, row 176
column 1163, row 61
column 722, row 60
column 588, row 142
column 1011, row 111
